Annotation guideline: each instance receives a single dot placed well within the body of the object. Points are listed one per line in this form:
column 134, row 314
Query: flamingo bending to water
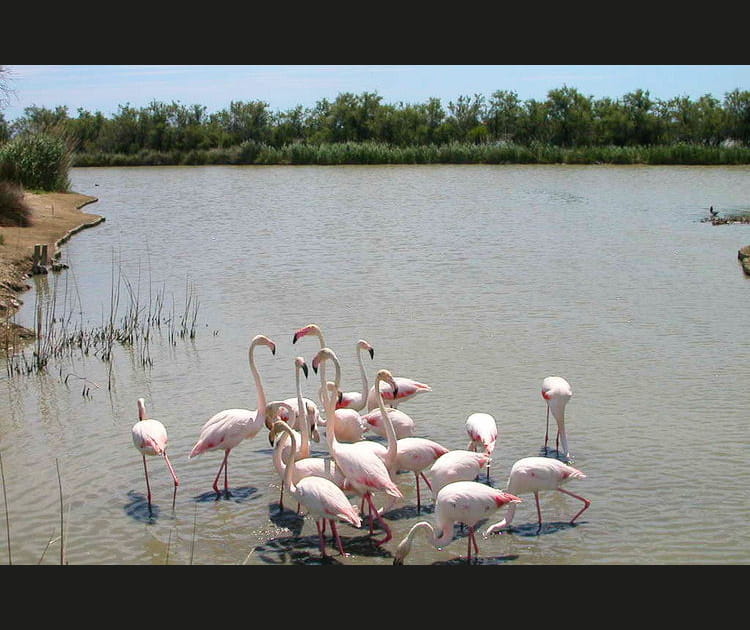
column 150, row 438
column 534, row 474
column 456, row 465
column 557, row 392
column 482, row 431
column 226, row 429
column 464, row 502
column 324, row 500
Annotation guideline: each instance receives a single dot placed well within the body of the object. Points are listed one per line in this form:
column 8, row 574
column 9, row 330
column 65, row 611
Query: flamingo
column 357, row 400
column 364, row 469
column 406, row 389
column 534, row 474
column 347, row 400
column 403, row 424
column 413, row 454
column 482, row 431
column 350, row 426
column 301, row 466
column 464, row 502
column 284, row 410
column 456, row 465
column 226, row 429
column 283, row 413
column 557, row 392
column 150, row 438
column 324, row 500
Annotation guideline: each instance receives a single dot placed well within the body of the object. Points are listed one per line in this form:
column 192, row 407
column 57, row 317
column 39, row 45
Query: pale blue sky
column 104, row 87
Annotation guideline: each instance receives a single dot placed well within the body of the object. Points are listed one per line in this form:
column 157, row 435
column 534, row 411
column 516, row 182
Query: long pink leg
column 338, row 538
column 148, row 487
column 538, row 509
column 373, row 509
column 546, row 434
column 218, row 474
column 419, row 502
column 586, row 503
column 322, row 538
column 174, row 475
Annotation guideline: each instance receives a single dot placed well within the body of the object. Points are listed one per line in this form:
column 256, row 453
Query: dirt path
column 55, row 218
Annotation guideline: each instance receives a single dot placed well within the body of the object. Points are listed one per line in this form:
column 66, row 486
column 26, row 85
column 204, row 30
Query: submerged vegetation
column 567, row 127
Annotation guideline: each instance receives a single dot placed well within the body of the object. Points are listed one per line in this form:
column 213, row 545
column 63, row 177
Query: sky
column 103, row 88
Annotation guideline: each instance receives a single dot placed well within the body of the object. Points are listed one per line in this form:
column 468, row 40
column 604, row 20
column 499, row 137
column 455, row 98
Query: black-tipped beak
column 395, row 392
column 315, row 368
column 340, row 397
column 304, row 369
column 273, row 351
column 372, row 353
column 294, row 338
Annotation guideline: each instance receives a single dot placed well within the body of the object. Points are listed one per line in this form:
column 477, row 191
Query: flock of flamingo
column 366, row 469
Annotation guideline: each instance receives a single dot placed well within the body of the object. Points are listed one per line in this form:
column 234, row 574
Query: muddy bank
column 55, row 217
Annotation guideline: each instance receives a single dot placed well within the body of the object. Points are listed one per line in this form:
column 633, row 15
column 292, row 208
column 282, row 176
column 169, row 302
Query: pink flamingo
column 534, row 474
column 456, row 465
column 413, row 454
column 150, row 438
column 284, row 410
column 357, row 400
column 364, row 469
column 347, row 400
column 557, row 392
column 403, row 424
column 226, row 429
column 350, row 426
column 324, row 500
column 482, row 431
column 464, row 502
column 405, row 389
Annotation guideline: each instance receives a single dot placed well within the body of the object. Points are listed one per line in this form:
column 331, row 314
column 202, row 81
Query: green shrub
column 37, row 162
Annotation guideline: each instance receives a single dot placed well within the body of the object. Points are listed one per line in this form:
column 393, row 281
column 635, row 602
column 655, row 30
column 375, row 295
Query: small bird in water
column 713, row 212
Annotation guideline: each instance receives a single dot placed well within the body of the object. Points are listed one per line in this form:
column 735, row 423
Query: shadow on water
column 139, row 510
column 305, row 550
column 548, row 451
column 237, row 495
column 286, row 518
column 410, row 511
column 533, row 529
column 481, row 560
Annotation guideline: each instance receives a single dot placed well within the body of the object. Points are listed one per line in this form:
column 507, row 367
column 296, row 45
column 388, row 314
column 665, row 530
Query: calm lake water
column 478, row 280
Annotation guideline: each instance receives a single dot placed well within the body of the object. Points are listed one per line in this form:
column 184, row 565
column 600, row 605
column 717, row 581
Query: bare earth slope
column 55, row 218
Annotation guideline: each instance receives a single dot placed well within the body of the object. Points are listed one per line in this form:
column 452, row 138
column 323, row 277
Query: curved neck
column 304, row 428
column 289, row 468
column 329, row 405
column 335, row 360
column 434, row 539
column 261, row 416
column 362, row 373
column 390, row 432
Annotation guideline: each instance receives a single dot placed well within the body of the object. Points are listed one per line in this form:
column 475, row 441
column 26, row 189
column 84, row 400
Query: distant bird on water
column 713, row 212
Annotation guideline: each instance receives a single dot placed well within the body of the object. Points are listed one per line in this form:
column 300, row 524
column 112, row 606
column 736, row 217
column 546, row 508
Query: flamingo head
column 277, row 427
column 322, row 355
column 310, row 329
column 142, row 409
column 364, row 345
column 385, row 375
column 299, row 363
column 265, row 341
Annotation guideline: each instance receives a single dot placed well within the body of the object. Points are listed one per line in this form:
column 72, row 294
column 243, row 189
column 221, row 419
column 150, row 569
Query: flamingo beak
column 296, row 336
column 372, row 353
column 304, row 369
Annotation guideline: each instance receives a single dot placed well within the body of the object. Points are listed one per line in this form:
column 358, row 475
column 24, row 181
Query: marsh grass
column 375, row 152
column 130, row 323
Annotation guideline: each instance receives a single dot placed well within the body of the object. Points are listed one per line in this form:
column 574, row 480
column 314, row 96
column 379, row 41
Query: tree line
column 566, row 118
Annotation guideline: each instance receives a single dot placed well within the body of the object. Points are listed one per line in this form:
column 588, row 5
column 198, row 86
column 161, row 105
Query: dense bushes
column 37, row 162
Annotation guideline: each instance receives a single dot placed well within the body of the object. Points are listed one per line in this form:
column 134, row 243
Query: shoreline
column 55, row 218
